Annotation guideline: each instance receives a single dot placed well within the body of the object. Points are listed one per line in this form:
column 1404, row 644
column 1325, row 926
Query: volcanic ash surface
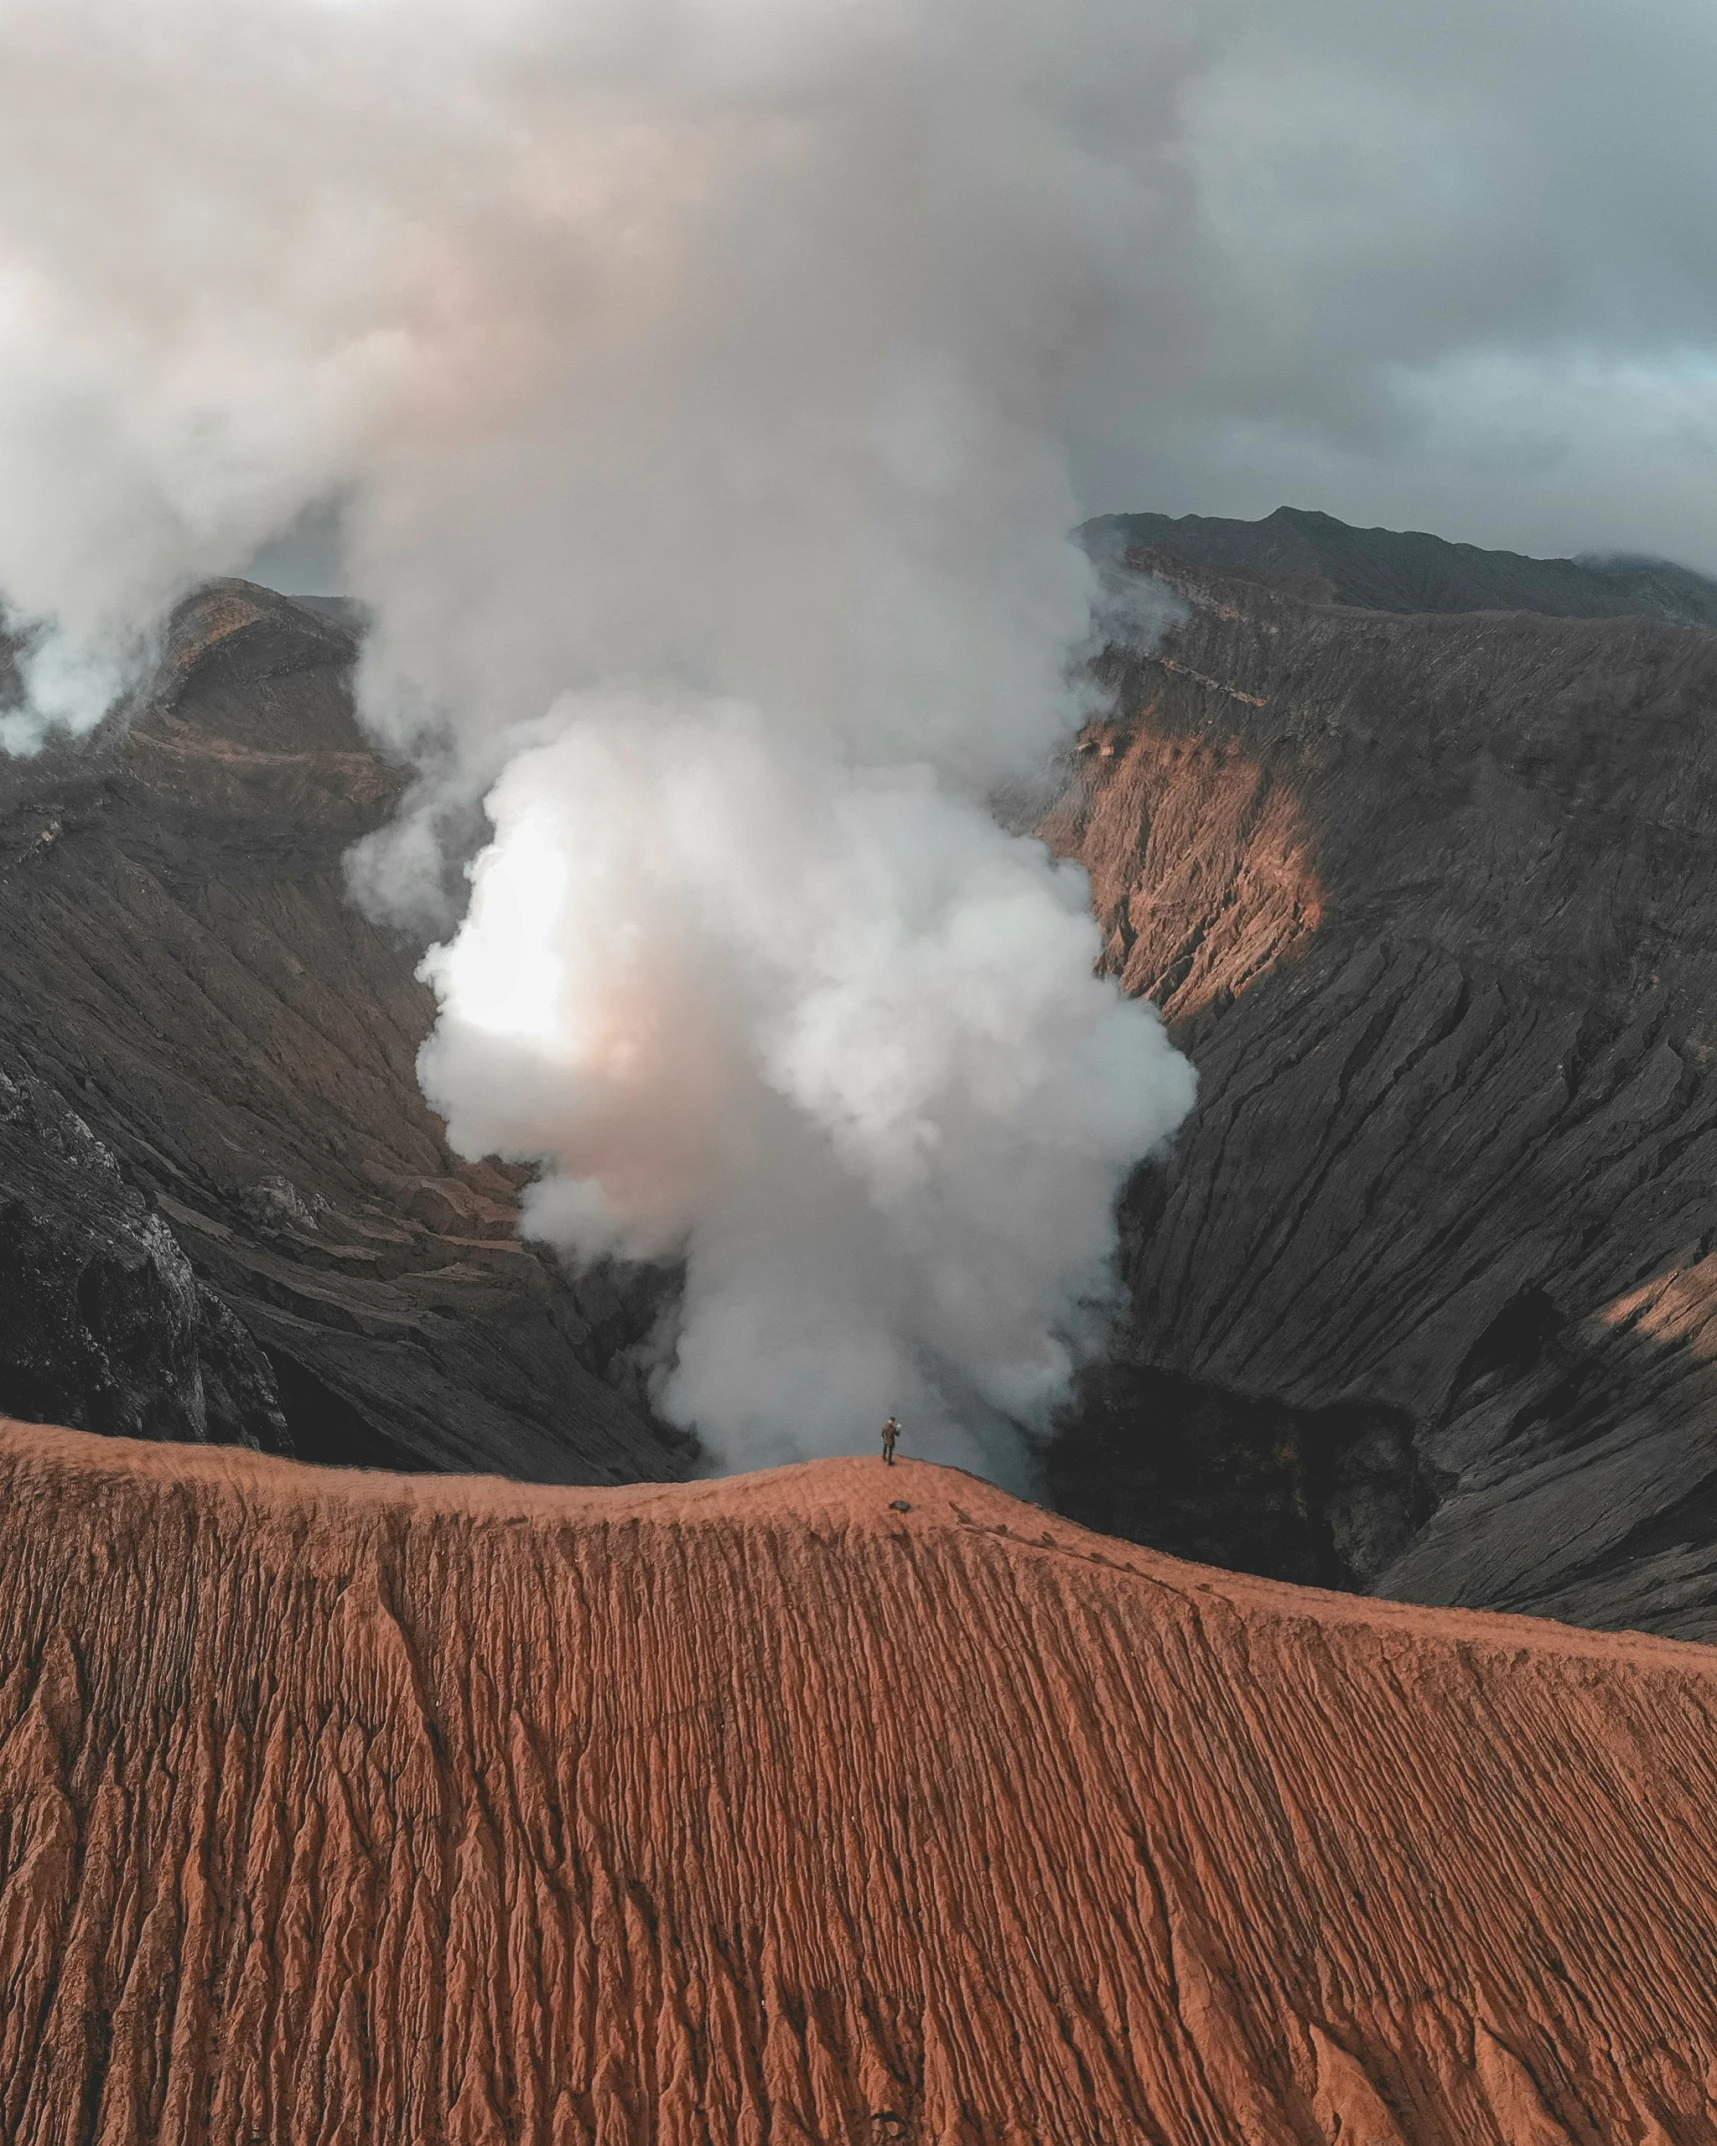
column 837, row 1804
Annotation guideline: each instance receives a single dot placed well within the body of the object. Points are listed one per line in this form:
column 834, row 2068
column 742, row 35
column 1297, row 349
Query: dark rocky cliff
column 103, row 1318
column 221, row 1050
column 1426, row 1299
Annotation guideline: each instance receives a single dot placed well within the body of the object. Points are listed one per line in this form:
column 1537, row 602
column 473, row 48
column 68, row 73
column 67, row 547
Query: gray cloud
column 1438, row 264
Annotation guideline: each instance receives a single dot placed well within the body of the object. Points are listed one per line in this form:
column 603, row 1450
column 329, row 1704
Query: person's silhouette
column 890, row 1438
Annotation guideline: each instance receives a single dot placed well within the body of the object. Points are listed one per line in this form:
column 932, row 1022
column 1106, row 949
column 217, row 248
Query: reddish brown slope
column 340, row 1809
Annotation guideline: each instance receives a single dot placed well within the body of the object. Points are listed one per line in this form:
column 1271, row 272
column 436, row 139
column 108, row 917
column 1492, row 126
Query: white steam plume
column 693, row 377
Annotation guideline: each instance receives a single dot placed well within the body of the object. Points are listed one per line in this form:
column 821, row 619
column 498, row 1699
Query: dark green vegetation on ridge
column 1299, row 552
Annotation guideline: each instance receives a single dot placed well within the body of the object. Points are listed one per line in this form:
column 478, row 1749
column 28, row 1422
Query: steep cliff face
column 844, row 1804
column 1421, row 1300
column 181, row 967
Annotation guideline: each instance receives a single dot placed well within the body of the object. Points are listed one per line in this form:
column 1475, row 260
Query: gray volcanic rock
column 180, row 961
column 1426, row 1298
column 105, row 1326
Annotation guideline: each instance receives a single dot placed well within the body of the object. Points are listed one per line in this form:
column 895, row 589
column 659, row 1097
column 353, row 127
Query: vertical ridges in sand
column 762, row 1813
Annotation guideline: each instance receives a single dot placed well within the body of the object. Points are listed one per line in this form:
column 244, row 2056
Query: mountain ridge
column 1312, row 555
column 1417, row 1302
column 184, row 971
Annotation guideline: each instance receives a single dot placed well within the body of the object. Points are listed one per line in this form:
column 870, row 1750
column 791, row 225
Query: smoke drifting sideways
column 691, row 380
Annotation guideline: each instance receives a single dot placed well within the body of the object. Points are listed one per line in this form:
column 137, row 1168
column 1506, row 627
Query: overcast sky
column 1445, row 264
column 1439, row 264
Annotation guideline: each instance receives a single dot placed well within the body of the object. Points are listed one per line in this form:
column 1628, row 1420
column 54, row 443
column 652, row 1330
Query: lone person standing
column 890, row 1438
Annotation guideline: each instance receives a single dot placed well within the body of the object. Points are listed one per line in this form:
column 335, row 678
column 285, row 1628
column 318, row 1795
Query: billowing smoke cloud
column 829, row 1027
column 692, row 382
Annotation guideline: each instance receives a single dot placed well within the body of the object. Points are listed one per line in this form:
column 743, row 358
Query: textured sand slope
column 343, row 1808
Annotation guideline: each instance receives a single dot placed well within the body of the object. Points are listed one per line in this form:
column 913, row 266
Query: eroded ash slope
column 184, row 978
column 842, row 1803
column 1426, row 1298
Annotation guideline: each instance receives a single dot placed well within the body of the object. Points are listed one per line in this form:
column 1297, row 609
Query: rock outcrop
column 104, row 1325
column 839, row 1804
column 1426, row 1298
column 182, row 970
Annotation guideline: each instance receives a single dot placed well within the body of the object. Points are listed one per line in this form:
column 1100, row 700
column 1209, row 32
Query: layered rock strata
column 103, row 1324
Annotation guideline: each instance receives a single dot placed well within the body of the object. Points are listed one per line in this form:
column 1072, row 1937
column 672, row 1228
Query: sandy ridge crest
column 350, row 1808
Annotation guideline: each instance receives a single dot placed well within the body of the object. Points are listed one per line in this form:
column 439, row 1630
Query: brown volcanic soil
column 836, row 1804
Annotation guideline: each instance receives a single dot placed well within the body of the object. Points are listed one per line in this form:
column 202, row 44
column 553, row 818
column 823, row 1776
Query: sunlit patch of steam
column 828, row 1031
